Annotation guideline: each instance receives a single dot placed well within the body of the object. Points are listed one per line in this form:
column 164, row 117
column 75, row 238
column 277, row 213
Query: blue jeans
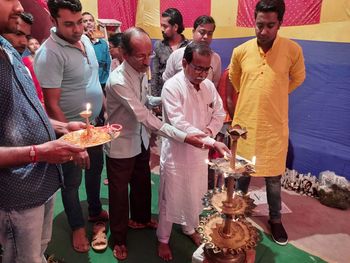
column 273, row 192
column 25, row 234
column 72, row 180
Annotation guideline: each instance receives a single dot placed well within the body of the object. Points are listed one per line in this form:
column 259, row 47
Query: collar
column 95, row 41
column 62, row 42
column 189, row 84
column 134, row 74
column 4, row 42
column 9, row 50
column 274, row 44
column 183, row 42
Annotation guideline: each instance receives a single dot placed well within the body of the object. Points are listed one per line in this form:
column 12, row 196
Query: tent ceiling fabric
column 189, row 10
column 122, row 10
column 321, row 20
column 298, row 13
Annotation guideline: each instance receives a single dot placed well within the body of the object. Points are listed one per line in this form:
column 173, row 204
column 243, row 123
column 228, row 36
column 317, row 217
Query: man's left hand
column 222, row 148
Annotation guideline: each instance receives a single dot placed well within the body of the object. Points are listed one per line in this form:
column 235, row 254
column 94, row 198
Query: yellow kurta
column 264, row 81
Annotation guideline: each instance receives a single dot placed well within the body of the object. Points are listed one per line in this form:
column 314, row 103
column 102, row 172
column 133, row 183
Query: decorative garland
column 330, row 189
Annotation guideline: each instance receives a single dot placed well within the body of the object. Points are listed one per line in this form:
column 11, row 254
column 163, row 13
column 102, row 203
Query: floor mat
column 142, row 243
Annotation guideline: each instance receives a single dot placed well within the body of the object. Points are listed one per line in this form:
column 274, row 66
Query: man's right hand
column 59, row 151
column 195, row 139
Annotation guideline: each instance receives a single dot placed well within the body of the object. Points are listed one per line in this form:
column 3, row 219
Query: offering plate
column 241, row 205
column 227, row 242
column 242, row 167
column 97, row 136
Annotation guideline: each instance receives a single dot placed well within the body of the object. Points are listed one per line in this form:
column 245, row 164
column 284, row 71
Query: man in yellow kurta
column 264, row 71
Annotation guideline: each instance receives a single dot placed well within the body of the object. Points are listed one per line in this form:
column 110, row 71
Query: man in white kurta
column 191, row 104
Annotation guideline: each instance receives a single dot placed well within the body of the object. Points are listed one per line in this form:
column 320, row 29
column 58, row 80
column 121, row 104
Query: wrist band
column 33, row 154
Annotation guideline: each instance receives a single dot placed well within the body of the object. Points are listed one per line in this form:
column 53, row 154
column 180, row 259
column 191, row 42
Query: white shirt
column 174, row 65
column 184, row 173
column 126, row 95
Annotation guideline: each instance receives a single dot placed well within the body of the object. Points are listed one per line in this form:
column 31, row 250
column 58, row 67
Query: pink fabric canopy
column 122, row 10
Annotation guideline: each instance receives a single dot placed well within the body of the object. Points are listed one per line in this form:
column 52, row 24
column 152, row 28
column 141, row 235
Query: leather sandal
column 99, row 239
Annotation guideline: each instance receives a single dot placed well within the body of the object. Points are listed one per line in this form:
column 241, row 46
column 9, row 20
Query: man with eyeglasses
column 203, row 30
column 128, row 156
column 67, row 69
column 191, row 104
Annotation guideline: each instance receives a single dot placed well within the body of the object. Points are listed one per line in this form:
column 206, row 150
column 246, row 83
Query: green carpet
column 142, row 243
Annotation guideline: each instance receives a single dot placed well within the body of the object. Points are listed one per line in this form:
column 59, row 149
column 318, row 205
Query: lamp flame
column 88, row 106
column 254, row 160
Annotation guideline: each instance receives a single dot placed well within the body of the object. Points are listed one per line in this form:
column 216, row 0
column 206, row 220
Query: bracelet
column 33, row 154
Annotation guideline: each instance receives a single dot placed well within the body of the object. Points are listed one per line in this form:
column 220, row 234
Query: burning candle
column 254, row 160
column 209, row 162
column 86, row 114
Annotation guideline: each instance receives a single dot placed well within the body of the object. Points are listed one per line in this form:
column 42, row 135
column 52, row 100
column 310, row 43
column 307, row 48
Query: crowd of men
column 42, row 97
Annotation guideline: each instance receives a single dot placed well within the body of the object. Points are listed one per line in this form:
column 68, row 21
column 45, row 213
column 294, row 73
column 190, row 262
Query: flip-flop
column 120, row 252
column 99, row 239
column 151, row 224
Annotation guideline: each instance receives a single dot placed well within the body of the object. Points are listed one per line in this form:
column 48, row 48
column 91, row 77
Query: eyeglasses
column 143, row 57
column 200, row 70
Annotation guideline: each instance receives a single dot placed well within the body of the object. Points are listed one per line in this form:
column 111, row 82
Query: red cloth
column 122, row 10
column 213, row 154
column 298, row 12
column 27, row 62
column 190, row 10
column 222, row 90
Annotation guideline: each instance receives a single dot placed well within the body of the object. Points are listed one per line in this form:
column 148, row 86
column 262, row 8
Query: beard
column 165, row 37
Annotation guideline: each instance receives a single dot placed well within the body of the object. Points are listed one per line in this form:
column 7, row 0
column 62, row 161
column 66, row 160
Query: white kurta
column 184, row 173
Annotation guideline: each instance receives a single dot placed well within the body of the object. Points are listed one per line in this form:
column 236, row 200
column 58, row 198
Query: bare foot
column 120, row 252
column 80, row 241
column 164, row 251
column 195, row 238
